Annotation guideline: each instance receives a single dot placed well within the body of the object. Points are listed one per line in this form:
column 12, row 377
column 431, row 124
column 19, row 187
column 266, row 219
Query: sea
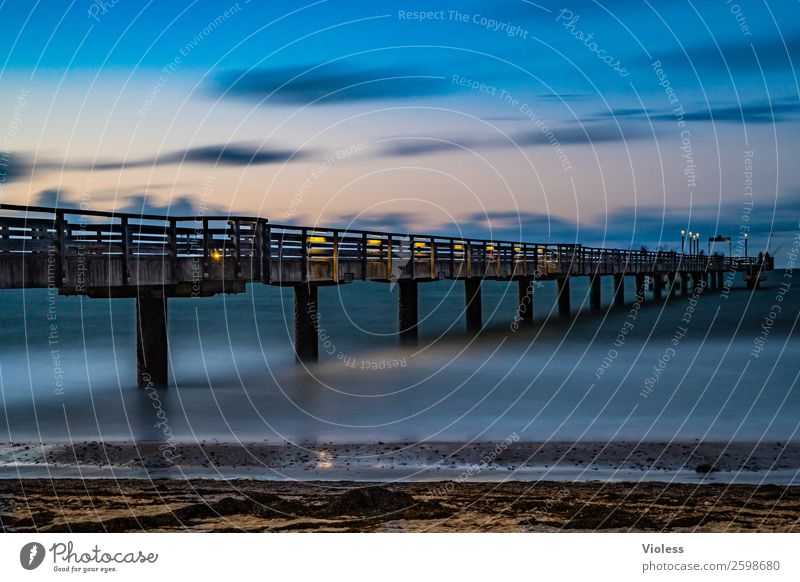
column 720, row 365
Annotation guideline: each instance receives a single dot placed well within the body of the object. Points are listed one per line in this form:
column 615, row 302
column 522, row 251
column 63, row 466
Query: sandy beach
column 506, row 487
column 271, row 506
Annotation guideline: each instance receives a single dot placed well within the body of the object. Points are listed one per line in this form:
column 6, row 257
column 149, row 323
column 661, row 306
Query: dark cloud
column 749, row 113
column 19, row 167
column 182, row 205
column 498, row 225
column 51, row 198
column 755, row 112
column 231, row 156
column 514, row 118
column 563, row 97
column 513, row 225
column 629, row 112
column 399, row 222
column 773, row 53
column 330, row 84
column 420, row 146
column 139, row 203
column 14, row 167
column 586, row 134
column 220, row 155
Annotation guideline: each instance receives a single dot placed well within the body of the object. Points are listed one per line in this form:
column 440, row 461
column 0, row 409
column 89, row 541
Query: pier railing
column 258, row 244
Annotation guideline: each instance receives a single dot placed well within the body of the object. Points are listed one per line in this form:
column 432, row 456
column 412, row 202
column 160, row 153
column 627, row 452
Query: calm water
column 235, row 377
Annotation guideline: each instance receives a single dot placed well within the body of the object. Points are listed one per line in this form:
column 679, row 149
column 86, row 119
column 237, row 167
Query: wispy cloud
column 749, row 113
column 14, row 168
column 399, row 222
column 21, row 167
column 182, row 205
column 220, row 155
column 584, row 134
column 138, row 203
column 327, row 84
column 51, row 197
column 763, row 54
column 753, row 112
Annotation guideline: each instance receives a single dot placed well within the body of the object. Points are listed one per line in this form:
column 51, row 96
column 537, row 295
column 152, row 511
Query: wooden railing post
column 389, row 258
column 468, row 257
column 336, row 256
column 413, row 257
column 304, row 254
column 266, row 258
column 173, row 250
column 364, row 254
column 206, row 245
column 237, row 249
column 516, row 250
column 433, row 258
column 61, row 247
column 126, row 275
column 452, row 258
column 258, row 251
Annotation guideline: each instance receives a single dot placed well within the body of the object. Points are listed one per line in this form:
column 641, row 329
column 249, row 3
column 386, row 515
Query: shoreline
column 347, row 506
column 747, row 463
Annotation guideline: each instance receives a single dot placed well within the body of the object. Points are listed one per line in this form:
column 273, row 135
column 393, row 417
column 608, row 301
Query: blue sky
column 606, row 123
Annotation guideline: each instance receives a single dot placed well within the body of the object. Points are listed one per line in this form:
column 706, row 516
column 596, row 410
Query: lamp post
column 745, row 245
column 683, row 240
column 690, row 241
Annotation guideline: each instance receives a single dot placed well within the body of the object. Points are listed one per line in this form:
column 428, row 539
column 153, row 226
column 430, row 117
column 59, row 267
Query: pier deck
column 152, row 258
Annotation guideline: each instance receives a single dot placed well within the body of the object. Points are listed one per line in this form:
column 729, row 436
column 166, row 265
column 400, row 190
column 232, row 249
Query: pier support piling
column 641, row 290
column 684, row 284
column 563, row 297
column 306, row 342
column 151, row 339
column 697, row 281
column 525, row 305
column 658, row 285
column 472, row 298
column 619, row 290
column 408, row 311
column 673, row 284
column 595, row 294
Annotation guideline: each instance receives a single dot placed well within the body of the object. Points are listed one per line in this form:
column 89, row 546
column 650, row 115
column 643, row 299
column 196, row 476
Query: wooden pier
column 152, row 258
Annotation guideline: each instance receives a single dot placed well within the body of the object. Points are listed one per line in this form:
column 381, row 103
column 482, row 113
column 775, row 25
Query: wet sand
column 447, row 487
column 283, row 506
column 755, row 463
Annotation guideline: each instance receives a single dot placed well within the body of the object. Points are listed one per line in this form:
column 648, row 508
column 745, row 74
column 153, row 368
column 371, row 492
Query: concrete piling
column 152, row 354
column 619, row 290
column 563, row 297
column 408, row 311
column 472, row 298
column 306, row 323
column 595, row 293
column 525, row 305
